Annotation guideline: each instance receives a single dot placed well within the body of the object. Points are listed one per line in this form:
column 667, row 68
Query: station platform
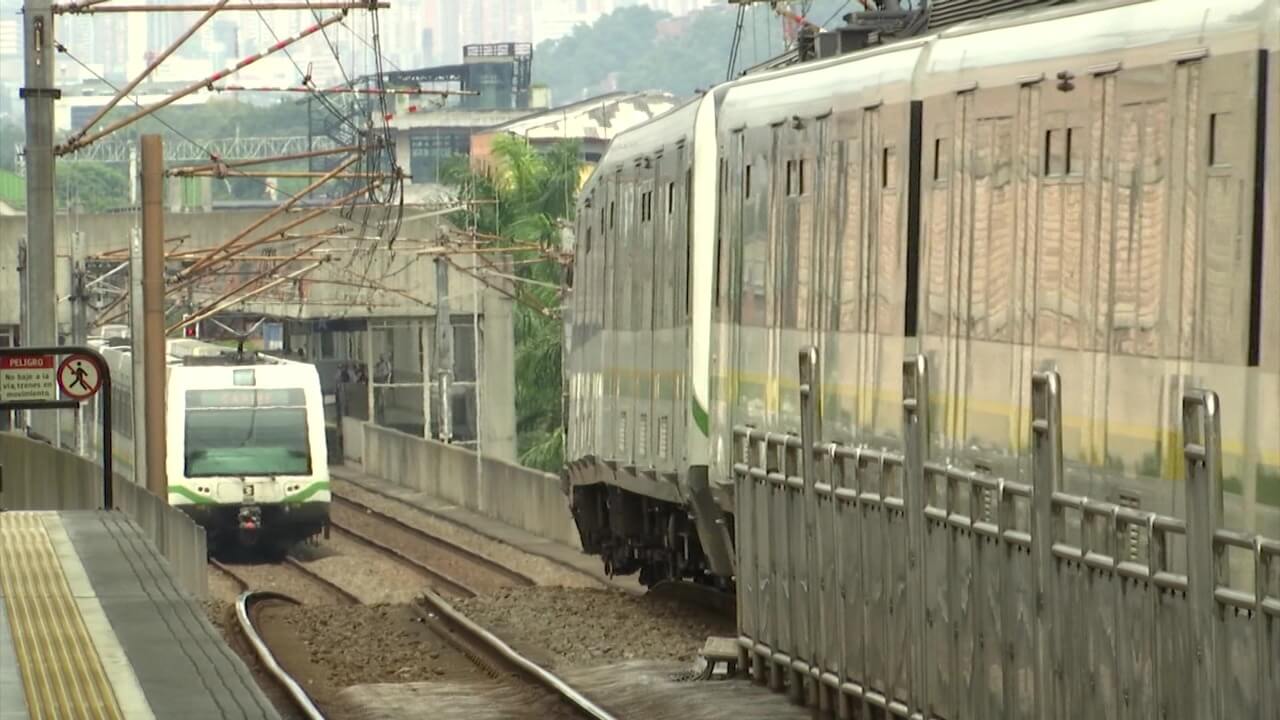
column 93, row 625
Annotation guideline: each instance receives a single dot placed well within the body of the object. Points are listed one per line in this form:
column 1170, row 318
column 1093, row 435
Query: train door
column 821, row 270
column 678, row 189
column 729, row 292
column 608, row 391
column 649, row 270
column 1065, row 264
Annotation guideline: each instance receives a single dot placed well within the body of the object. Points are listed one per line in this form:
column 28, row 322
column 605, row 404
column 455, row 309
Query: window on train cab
column 791, row 178
column 671, row 198
column 746, row 182
column 246, row 432
column 800, row 177
column 610, row 214
column 1220, row 139
column 941, row 160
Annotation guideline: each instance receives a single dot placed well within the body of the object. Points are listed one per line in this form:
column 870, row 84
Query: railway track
column 451, row 568
column 498, row 659
column 264, row 577
column 342, row 477
column 248, row 611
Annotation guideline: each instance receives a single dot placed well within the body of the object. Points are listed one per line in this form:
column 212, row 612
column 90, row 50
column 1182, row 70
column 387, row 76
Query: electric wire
column 160, row 119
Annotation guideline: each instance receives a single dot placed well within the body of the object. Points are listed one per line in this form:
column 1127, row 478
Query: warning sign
column 27, row 378
column 78, row 377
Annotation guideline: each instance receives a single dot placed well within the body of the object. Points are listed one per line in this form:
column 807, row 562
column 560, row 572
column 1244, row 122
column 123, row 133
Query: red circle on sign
column 78, row 376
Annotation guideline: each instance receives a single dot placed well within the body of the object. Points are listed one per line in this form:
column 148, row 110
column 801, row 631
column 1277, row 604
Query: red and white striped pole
column 208, row 82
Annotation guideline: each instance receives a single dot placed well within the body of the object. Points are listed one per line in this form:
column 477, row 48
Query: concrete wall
column 37, row 476
column 352, row 440
column 515, row 495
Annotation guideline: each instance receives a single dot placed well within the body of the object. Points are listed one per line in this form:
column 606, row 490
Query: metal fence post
column 811, row 437
column 1202, row 449
column 1046, row 453
column 915, row 420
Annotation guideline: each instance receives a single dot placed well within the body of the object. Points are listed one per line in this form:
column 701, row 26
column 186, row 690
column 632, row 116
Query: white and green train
column 1092, row 188
column 245, row 440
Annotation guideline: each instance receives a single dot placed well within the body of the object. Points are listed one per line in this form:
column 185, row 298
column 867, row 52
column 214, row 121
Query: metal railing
column 904, row 586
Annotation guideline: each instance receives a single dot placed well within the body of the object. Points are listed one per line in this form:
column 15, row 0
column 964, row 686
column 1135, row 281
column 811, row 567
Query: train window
column 1219, row 139
column 791, row 176
column 941, row 161
column 610, row 214
column 1056, row 150
column 746, row 182
column 1075, row 151
column 800, row 178
column 889, row 167
column 671, row 197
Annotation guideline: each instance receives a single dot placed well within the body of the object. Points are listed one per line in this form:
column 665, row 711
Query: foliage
column 638, row 48
column 532, row 194
column 91, row 185
column 222, row 118
column 11, row 136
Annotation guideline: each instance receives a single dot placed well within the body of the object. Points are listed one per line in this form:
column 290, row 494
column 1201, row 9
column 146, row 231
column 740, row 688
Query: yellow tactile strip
column 61, row 671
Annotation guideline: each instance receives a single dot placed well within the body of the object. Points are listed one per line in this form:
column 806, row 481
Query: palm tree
column 527, row 198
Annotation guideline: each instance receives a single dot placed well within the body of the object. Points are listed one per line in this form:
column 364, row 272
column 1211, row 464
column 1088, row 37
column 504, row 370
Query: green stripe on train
column 307, row 492
column 300, row 496
column 700, row 416
column 192, row 495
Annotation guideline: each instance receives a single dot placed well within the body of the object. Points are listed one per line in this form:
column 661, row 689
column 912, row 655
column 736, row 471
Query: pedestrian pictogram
column 78, row 377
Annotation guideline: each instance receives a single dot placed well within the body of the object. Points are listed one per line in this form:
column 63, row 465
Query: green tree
column 93, row 186
column 12, row 135
column 532, row 195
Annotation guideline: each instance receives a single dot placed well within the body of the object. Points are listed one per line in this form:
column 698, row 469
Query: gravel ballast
column 363, row 644
column 585, row 626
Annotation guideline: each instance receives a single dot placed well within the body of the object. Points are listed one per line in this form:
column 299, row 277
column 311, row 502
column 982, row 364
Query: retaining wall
column 518, row 496
column 352, row 440
column 37, row 476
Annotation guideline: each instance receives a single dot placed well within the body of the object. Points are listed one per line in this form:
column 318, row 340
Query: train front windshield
column 246, row 432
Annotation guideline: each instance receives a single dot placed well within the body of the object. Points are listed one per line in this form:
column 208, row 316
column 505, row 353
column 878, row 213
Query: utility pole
column 79, row 321
column 153, row 324
column 136, row 356
column 38, row 94
column 444, row 347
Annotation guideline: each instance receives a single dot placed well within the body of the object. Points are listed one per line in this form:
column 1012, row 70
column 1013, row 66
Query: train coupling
column 249, row 523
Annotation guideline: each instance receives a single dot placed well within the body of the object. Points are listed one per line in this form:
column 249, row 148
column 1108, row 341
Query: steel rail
column 528, row 668
column 467, row 554
column 342, row 476
column 235, row 576
column 286, row 681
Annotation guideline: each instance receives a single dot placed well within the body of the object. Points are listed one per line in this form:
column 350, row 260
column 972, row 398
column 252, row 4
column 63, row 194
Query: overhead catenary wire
column 387, row 227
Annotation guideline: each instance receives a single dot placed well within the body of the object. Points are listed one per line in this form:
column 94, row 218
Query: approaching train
column 1091, row 188
column 245, row 440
